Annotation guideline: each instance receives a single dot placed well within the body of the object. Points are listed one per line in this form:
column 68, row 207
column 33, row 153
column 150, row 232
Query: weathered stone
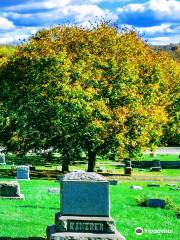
column 84, row 210
column 155, row 169
column 137, row 187
column 100, row 169
column 113, row 182
column 85, row 224
column 84, row 194
column 10, row 190
column 156, row 203
column 86, row 236
column 22, row 172
column 84, row 176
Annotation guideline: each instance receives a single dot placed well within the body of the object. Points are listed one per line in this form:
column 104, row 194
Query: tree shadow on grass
column 17, row 238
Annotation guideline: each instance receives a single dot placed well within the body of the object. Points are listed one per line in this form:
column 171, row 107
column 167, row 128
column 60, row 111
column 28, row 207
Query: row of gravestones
column 84, row 211
column 85, row 208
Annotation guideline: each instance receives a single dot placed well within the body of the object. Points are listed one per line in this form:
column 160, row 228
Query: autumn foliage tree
column 72, row 89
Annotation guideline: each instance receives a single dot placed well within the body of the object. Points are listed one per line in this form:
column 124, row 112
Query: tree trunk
column 65, row 165
column 91, row 160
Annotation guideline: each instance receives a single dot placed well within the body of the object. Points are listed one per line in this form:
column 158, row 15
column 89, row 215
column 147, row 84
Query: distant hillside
column 172, row 49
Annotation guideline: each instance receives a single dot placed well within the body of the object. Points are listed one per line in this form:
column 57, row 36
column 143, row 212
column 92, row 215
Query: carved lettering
column 92, row 226
column 76, row 227
column 101, row 227
column 86, row 226
column 96, row 226
column 71, row 227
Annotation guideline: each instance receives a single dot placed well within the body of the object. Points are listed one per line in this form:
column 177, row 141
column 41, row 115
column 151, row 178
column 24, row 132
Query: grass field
column 29, row 218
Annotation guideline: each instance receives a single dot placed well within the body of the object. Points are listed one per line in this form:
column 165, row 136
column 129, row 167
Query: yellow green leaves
column 96, row 88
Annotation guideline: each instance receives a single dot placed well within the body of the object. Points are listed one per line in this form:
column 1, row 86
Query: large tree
column 73, row 89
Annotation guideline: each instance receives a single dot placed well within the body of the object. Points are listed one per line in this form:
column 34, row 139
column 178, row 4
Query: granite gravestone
column 156, row 166
column 10, row 190
column 22, row 172
column 156, row 203
column 2, row 159
column 128, row 167
column 84, row 210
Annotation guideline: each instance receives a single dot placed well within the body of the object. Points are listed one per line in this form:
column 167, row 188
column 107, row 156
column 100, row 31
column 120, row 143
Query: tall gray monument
column 84, row 210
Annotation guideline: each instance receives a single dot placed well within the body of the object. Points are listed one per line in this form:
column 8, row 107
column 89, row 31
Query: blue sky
column 157, row 20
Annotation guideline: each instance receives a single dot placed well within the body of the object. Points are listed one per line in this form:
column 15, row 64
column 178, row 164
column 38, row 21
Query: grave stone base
column 83, row 228
column 86, row 236
column 20, row 197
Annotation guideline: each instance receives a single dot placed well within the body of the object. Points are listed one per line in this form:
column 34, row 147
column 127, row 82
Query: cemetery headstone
column 100, row 169
column 156, row 167
column 128, row 167
column 22, row 172
column 156, row 203
column 10, row 190
column 85, row 210
column 153, row 185
column 113, row 182
column 2, row 159
column 177, row 189
column 137, row 187
column 172, row 184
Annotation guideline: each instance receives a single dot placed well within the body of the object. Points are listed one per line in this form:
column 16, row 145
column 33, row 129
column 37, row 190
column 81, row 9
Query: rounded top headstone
column 24, row 167
column 83, row 176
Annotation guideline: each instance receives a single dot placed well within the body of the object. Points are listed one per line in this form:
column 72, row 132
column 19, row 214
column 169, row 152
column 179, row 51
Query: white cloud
column 84, row 13
column 80, row 13
column 161, row 10
column 163, row 28
column 164, row 40
column 48, row 4
column 16, row 35
column 38, row 5
column 5, row 24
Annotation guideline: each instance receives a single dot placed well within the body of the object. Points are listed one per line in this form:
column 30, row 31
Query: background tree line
column 100, row 91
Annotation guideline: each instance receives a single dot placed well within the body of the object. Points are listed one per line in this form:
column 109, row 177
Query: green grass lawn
column 162, row 157
column 29, row 217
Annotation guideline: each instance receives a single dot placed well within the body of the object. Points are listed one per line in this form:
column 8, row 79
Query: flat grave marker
column 156, row 203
